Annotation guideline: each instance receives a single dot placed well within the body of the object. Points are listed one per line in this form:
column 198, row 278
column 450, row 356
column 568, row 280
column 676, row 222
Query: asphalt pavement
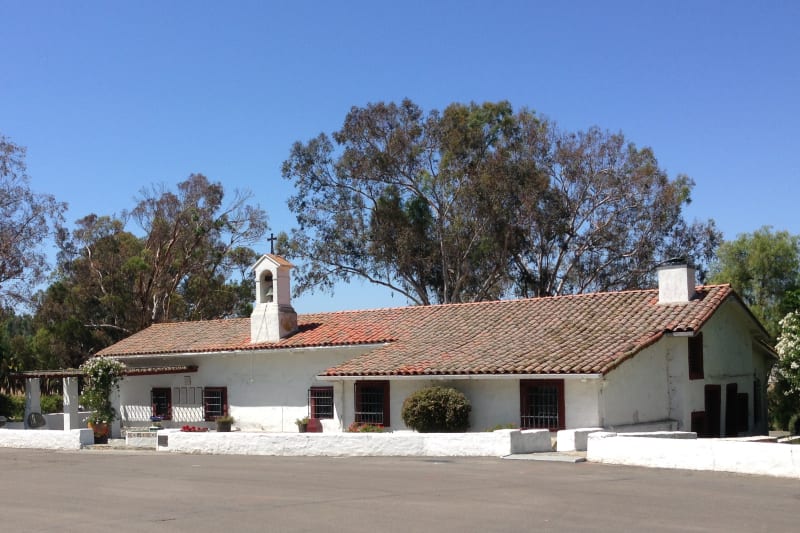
column 117, row 490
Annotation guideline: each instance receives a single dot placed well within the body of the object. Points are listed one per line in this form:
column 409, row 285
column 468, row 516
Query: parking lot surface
column 148, row 491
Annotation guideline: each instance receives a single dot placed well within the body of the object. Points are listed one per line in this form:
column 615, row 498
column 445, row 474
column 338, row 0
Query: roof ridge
column 200, row 321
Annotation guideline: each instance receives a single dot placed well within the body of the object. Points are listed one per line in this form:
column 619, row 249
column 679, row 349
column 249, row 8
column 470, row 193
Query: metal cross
column 272, row 240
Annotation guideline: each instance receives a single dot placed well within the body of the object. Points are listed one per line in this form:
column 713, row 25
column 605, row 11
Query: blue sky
column 112, row 98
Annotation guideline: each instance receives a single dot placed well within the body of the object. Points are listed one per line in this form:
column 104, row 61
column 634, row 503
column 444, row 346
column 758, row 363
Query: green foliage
column 52, row 403
column 785, row 393
column 357, row 427
column 27, row 219
column 103, row 375
column 190, row 263
column 478, row 201
column 764, row 269
column 12, row 406
column 794, row 425
column 509, row 425
column 437, row 410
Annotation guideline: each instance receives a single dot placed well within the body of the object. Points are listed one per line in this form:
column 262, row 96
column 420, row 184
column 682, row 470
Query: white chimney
column 273, row 316
column 676, row 284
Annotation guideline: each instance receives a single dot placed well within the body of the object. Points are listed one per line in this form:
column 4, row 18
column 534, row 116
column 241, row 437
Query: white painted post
column 33, row 395
column 116, row 431
column 70, row 389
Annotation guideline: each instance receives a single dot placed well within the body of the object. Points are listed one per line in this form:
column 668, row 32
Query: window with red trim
column 372, row 402
column 320, row 402
column 215, row 402
column 161, row 402
column 542, row 404
column 696, row 357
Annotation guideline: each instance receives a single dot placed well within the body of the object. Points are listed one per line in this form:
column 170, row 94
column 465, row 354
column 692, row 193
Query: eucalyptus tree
column 479, row 202
column 27, row 220
column 186, row 258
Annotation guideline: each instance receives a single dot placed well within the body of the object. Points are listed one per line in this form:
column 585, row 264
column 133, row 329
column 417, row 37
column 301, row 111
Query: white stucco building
column 679, row 357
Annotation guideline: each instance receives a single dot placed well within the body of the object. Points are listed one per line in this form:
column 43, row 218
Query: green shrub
column 509, row 425
column 437, row 410
column 52, row 403
column 12, row 407
column 793, row 427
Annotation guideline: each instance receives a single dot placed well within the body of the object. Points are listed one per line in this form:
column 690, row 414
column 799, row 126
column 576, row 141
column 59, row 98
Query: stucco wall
column 267, row 391
column 495, row 402
column 654, row 385
column 721, row 455
column 637, row 391
column 45, row 439
column 730, row 356
column 496, row 444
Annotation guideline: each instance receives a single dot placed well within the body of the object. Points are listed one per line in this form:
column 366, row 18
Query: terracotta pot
column 315, row 425
column 100, row 430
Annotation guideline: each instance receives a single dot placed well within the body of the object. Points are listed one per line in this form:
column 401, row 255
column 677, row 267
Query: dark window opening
column 372, row 402
column 696, row 357
column 320, row 402
column 215, row 402
column 542, row 404
column 161, row 402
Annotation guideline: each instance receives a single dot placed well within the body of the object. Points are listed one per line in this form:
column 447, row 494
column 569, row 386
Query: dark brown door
column 713, row 410
column 731, row 410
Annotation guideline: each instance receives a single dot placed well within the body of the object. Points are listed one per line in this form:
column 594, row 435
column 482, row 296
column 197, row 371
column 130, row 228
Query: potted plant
column 103, row 375
column 155, row 423
column 302, row 424
column 224, row 423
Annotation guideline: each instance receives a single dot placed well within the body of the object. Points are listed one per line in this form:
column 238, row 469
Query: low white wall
column 720, row 455
column 572, row 440
column 495, row 444
column 56, row 420
column 46, row 440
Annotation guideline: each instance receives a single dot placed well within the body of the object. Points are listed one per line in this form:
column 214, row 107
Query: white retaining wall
column 720, row 455
column 46, row 440
column 495, row 444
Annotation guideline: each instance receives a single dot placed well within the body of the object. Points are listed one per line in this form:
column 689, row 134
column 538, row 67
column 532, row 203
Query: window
column 696, row 357
column 372, row 402
column 161, row 401
column 320, row 402
column 542, row 404
column 215, row 402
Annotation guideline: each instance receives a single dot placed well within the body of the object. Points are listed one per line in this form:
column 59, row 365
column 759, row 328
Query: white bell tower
column 273, row 316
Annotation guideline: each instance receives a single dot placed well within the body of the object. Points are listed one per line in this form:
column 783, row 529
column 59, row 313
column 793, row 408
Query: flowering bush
column 787, row 371
column 104, row 374
column 361, row 427
column 193, row 429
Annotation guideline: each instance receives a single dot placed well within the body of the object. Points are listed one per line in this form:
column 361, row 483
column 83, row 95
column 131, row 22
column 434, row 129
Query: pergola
column 69, row 386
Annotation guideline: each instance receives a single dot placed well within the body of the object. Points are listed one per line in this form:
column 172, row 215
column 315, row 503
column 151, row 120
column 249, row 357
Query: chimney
column 676, row 283
column 273, row 316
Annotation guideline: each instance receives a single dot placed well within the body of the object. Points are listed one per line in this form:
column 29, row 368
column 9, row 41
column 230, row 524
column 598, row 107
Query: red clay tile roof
column 589, row 333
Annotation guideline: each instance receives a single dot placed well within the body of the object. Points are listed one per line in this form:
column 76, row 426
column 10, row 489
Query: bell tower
column 273, row 316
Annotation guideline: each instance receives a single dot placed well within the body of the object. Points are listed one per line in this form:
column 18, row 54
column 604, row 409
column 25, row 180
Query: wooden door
column 713, row 401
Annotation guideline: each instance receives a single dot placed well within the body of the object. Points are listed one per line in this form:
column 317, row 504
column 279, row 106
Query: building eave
column 457, row 377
